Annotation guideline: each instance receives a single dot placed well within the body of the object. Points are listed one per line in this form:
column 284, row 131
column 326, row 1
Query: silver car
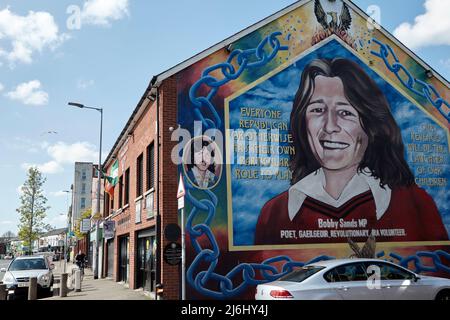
column 354, row 279
column 21, row 269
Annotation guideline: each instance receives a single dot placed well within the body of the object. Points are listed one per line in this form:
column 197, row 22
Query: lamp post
column 95, row 255
column 68, row 229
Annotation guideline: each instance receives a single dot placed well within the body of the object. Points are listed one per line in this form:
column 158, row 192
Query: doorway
column 124, row 258
column 145, row 273
column 110, row 261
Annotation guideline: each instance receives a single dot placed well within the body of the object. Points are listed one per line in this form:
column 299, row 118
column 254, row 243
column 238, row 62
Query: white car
column 354, row 279
column 21, row 269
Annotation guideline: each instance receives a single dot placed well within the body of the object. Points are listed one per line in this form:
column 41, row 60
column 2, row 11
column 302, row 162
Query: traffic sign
column 181, row 191
column 85, row 225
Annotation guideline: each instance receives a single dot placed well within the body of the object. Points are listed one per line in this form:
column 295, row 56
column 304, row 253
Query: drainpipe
column 158, row 216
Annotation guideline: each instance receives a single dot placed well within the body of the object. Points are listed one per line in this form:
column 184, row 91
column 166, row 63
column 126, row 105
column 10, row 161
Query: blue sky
column 109, row 61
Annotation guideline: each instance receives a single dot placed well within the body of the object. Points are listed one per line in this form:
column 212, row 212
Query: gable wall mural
column 310, row 131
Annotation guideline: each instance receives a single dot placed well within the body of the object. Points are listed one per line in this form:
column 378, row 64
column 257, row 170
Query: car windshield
column 28, row 264
column 301, row 274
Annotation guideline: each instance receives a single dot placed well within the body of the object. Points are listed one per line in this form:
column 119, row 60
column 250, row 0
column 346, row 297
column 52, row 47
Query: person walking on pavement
column 80, row 260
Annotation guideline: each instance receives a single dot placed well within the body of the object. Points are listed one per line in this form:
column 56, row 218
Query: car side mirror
column 416, row 278
column 3, row 270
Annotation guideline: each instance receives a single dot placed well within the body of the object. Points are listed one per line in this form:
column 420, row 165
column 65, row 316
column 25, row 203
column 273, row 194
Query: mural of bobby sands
column 349, row 174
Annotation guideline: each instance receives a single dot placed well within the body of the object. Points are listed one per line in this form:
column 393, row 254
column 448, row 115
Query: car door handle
column 343, row 288
column 387, row 286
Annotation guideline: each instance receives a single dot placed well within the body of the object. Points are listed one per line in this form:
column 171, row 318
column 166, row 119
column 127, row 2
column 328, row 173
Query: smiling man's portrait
column 349, row 173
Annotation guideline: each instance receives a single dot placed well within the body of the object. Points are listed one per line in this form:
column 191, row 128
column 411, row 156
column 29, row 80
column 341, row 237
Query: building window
column 150, row 166
column 83, row 175
column 95, row 171
column 83, row 203
column 83, row 188
column 120, row 191
column 139, row 175
column 138, row 211
column 127, row 186
column 106, row 204
column 149, row 205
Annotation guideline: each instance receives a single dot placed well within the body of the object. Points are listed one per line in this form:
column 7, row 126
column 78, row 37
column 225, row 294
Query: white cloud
column 6, row 222
column 19, row 190
column 103, row 12
column 28, row 34
column 58, row 221
column 69, row 153
column 1, row 87
column 84, row 84
column 28, row 93
column 430, row 28
column 50, row 167
column 62, row 154
column 57, row 193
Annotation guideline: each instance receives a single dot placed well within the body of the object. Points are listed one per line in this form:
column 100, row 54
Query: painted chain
column 417, row 86
column 245, row 59
column 201, row 273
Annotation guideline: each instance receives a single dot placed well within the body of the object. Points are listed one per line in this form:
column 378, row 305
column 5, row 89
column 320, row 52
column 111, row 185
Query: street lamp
column 95, row 256
column 68, row 229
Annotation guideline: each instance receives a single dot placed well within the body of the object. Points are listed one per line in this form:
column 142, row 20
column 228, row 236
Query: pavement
column 97, row 289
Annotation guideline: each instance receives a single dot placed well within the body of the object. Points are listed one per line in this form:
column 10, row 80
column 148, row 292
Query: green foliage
column 32, row 208
column 86, row 214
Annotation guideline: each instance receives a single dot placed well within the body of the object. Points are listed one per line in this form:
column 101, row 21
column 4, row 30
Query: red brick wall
column 169, row 182
column 143, row 134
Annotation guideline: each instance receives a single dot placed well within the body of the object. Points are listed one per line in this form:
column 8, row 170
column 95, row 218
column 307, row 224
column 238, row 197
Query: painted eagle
column 345, row 20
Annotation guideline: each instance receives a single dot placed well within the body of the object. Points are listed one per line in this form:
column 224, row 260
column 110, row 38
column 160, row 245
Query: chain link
column 245, row 59
column 417, row 86
column 203, row 210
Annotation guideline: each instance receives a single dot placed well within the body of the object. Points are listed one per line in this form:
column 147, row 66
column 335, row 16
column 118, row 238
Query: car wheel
column 444, row 295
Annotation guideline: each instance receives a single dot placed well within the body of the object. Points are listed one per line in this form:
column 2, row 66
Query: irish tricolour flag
column 111, row 180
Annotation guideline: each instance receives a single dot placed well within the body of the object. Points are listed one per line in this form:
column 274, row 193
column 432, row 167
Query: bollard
column 3, row 292
column 77, row 281
column 63, row 285
column 32, row 289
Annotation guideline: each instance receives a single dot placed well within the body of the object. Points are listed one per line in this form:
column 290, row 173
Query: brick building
column 233, row 86
column 144, row 199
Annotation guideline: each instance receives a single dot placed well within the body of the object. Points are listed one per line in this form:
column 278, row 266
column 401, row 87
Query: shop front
column 145, row 262
column 124, row 258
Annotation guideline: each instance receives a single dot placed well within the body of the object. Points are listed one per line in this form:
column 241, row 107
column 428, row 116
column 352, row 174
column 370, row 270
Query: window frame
column 150, row 166
column 360, row 263
column 390, row 265
column 120, row 202
column 126, row 197
column 140, row 175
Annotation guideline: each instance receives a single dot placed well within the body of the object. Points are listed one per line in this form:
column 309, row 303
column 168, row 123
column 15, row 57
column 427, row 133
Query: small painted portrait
column 350, row 178
column 202, row 163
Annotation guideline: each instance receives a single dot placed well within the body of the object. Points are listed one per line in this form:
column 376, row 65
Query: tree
column 32, row 209
column 84, row 215
column 8, row 235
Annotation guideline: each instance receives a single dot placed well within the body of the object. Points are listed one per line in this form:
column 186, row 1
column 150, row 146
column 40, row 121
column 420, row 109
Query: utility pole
column 96, row 247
